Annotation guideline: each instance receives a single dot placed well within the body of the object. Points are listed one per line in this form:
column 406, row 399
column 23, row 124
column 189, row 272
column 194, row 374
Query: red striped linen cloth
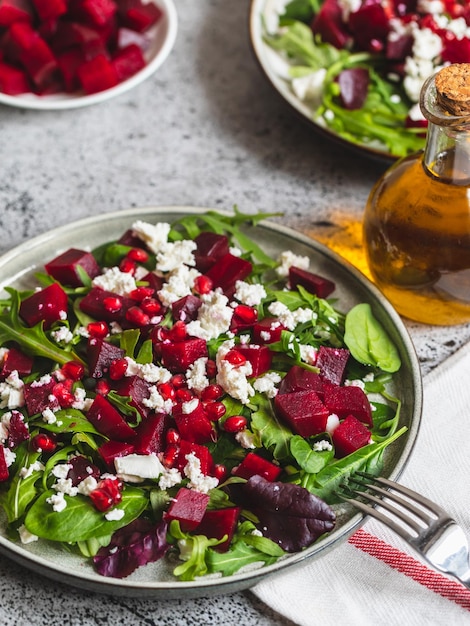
column 374, row 577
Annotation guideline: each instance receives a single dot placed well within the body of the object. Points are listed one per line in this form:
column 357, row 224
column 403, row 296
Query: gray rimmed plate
column 155, row 580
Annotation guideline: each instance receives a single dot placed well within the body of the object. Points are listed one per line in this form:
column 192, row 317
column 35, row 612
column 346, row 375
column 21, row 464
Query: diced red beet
column 217, row 523
column 332, row 363
column 18, row 430
column 93, row 305
column 13, row 81
column 353, row 84
column 398, row 48
column 108, row 421
column 38, row 396
column 96, row 75
column 128, row 62
column 97, row 12
column 82, row 468
column 210, row 247
column 370, row 25
column 3, row 466
column 138, row 389
column 72, row 34
column 351, row 400
column 15, row 360
column 260, row 357
column 200, row 451
column 188, row 507
column 15, row 11
column 328, row 23
column 300, row 379
column 185, row 309
column 64, row 267
column 228, row 269
column 33, row 53
column 50, row 8
column 139, row 15
column 154, row 282
column 254, row 464
column 47, row 305
column 178, row 356
column 194, row 426
column 318, row 285
column 267, row 330
column 110, row 450
column 150, row 434
column 349, row 436
column 457, row 50
column 100, row 355
column 303, row 411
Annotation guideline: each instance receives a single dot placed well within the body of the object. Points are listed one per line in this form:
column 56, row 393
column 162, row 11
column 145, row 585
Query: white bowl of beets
column 58, row 54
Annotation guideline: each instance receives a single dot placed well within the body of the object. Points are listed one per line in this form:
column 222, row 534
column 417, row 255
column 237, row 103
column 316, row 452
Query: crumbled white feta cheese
column 10, row 456
column 180, row 283
column 321, row 445
column 191, row 405
column 172, row 255
column 267, row 384
column 214, row 317
column 197, row 480
column 332, row 423
column 61, row 470
column 135, row 468
column 11, row 392
column 57, row 501
column 196, row 377
column 25, row 472
column 87, row 485
column 64, row 485
column 249, row 294
column 154, row 235
column 288, row 318
column 246, row 439
column 115, row 281
column 310, row 88
column 63, row 334
column 169, row 478
column 287, row 259
column 49, row 416
column 233, row 379
column 156, row 402
column 114, row 515
column 150, row 372
column 308, row 354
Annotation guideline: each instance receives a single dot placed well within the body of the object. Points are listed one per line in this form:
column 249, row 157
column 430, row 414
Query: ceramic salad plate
column 18, row 267
column 161, row 38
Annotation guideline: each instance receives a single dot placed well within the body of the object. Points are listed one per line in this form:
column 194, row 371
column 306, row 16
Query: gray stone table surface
column 205, row 130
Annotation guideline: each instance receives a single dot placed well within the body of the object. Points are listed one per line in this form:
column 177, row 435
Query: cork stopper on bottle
column 453, row 88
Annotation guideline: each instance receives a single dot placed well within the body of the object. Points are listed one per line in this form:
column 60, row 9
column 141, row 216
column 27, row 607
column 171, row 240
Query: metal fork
column 424, row 525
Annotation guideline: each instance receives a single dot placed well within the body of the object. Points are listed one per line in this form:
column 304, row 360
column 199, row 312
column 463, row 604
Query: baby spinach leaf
column 22, row 490
column 274, row 434
column 368, row 341
column 310, row 460
column 80, row 521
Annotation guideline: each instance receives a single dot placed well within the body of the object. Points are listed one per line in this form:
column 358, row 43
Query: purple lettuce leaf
column 288, row 514
column 138, row 543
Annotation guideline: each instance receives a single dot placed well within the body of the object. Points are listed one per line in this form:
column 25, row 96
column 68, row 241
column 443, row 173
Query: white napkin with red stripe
column 374, row 578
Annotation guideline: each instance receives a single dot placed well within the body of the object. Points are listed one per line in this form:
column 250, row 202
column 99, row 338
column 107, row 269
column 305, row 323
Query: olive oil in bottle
column 417, row 218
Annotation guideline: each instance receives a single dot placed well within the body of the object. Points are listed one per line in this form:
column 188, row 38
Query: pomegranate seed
column 127, row 266
column 220, row 471
column 178, row 331
column 203, row 284
column 103, row 387
column 235, row 423
column 151, row 306
column 235, row 358
column 215, row 410
column 97, row 329
column 118, row 369
column 167, row 391
column 107, row 494
column 178, row 380
column 212, row 392
column 184, row 395
column 135, row 315
column 73, row 370
column 172, row 436
column 140, row 293
column 211, row 368
column 246, row 314
column 62, row 391
column 43, row 442
column 138, row 255
column 159, row 335
column 113, row 304
column 169, row 456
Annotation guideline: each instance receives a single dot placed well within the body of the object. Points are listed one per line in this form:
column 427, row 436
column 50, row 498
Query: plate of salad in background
column 156, row 365
column 354, row 70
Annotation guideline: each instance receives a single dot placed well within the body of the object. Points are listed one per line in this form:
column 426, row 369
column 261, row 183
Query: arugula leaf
column 21, row 490
column 33, row 341
column 193, row 550
column 368, row 341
